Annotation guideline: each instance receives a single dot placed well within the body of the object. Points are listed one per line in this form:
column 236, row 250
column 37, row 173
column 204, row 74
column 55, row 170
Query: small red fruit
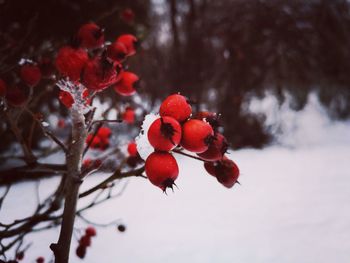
column 130, row 42
column 70, row 62
column 126, row 85
column 20, row 255
column 90, row 231
column 129, row 115
column 99, row 73
column 162, row 169
column 164, row 134
column 40, row 260
column 30, row 74
column 117, row 51
column 176, row 106
column 61, row 123
column 46, row 67
column 196, row 135
column 81, row 251
column 132, row 149
column 3, row 88
column 121, row 228
column 211, row 117
column 104, row 132
column 66, row 98
column 226, row 171
column 90, row 35
column 95, row 142
column 85, row 241
column 127, row 15
column 217, row 149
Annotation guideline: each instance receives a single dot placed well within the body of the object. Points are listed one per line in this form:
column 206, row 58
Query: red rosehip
column 104, row 132
column 129, row 42
column 85, row 241
column 30, row 74
column 61, row 123
column 90, row 35
column 70, row 62
column 95, row 142
column 81, row 251
column 117, row 51
column 40, row 260
column 99, row 73
column 126, row 85
column 127, row 15
column 164, row 134
column 196, row 135
column 3, row 88
column 226, row 171
column 90, row 231
column 161, row 169
column 176, row 106
column 87, row 163
column 217, row 149
column 132, row 149
column 211, row 117
column 66, row 98
column 128, row 115
column 16, row 96
column 20, row 255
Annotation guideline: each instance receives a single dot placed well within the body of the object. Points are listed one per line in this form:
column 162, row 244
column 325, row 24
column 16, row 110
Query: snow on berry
column 90, row 35
column 176, row 106
column 196, row 135
column 30, row 74
column 164, row 134
column 161, row 169
column 144, row 148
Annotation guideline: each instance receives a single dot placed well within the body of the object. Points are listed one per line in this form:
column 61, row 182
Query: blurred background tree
column 218, row 53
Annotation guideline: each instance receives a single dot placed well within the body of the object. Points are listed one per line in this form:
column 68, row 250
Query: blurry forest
column 218, row 53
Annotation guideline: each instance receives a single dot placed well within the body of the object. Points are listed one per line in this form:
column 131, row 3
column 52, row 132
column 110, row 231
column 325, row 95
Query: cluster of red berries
column 100, row 140
column 30, row 76
column 89, row 61
column 199, row 134
column 85, row 241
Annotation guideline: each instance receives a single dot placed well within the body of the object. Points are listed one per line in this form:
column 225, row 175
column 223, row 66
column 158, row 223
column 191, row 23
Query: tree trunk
column 73, row 160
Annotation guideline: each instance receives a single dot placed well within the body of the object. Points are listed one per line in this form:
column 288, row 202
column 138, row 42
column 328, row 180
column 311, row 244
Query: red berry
column 30, row 74
column 217, row 149
column 117, row 51
column 162, row 169
column 126, row 85
column 20, row 255
column 176, row 106
column 3, row 88
column 121, row 228
column 132, row 149
column 85, row 241
column 211, row 117
column 104, row 132
column 95, row 142
column 226, row 171
column 70, row 62
column 90, row 35
column 99, row 73
column 129, row 42
column 90, row 231
column 164, row 134
column 40, row 260
column 61, row 123
column 127, row 15
column 87, row 163
column 66, row 98
column 81, row 251
column 196, row 135
column 129, row 115
column 16, row 96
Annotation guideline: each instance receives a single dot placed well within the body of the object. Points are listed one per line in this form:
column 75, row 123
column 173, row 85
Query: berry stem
column 188, row 155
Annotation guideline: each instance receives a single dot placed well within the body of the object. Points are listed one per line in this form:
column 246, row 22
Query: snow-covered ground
column 293, row 205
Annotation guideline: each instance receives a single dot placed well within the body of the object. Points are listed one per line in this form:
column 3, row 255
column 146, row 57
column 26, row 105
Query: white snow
column 293, row 206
